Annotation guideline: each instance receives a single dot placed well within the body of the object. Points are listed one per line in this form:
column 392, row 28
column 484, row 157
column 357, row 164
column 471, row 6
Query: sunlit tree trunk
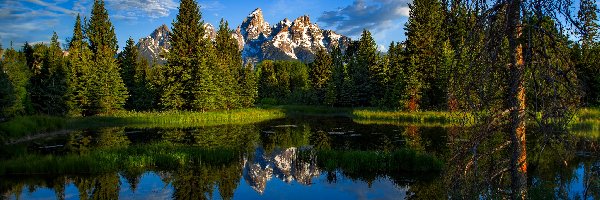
column 517, row 101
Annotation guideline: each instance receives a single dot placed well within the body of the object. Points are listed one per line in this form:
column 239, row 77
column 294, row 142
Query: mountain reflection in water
column 294, row 158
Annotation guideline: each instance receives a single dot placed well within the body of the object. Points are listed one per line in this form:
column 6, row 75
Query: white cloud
column 53, row 7
column 132, row 9
column 373, row 15
column 211, row 5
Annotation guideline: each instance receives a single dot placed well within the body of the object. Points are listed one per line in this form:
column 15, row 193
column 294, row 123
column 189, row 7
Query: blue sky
column 35, row 20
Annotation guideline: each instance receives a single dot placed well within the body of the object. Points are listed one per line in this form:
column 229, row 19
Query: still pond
column 294, row 158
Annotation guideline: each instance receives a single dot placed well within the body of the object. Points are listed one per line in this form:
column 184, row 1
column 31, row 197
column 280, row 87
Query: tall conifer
column 78, row 81
column 133, row 72
column 108, row 90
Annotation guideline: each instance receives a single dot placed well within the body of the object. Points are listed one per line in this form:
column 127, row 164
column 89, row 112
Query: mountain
column 155, row 46
column 287, row 40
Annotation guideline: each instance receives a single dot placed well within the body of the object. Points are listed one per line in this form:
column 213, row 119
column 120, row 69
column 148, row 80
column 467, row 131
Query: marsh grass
column 154, row 156
column 587, row 123
column 427, row 118
column 587, row 120
column 29, row 125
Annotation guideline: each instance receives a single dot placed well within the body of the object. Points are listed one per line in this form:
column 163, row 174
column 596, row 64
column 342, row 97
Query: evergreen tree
column 189, row 73
column 320, row 73
column 14, row 65
column 424, row 32
column 230, row 66
column 57, row 84
column 364, row 68
column 133, row 72
column 39, row 75
column 587, row 60
column 334, row 88
column 248, row 91
column 268, row 82
column 107, row 88
column 47, row 85
column 79, row 72
column 396, row 85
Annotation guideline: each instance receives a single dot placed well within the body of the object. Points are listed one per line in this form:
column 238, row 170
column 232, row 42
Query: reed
column 29, row 125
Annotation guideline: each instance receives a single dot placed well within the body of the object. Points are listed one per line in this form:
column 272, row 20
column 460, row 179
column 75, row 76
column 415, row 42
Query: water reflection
column 323, row 157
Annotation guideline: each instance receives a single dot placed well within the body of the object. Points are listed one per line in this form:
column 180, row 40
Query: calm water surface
column 292, row 159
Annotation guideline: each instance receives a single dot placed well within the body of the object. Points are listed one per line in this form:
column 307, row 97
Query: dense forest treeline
column 440, row 66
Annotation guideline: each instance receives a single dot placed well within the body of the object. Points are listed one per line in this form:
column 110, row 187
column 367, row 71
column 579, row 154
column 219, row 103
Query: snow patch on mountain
column 287, row 40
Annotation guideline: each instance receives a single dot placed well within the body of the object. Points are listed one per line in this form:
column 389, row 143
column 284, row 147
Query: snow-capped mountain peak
column 299, row 39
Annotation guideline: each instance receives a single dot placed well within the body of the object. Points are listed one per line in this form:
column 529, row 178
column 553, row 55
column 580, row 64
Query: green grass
column 31, row 125
column 402, row 118
column 587, row 123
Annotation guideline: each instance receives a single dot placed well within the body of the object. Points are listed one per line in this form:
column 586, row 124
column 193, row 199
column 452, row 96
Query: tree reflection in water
column 210, row 162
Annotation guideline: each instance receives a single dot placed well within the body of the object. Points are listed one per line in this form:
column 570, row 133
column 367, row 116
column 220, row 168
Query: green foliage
column 586, row 53
column 320, row 73
column 133, row 71
column 248, row 86
column 230, row 71
column 78, row 93
column 48, row 84
column 190, row 78
column 16, row 77
column 30, row 125
column 107, row 90
column 424, row 37
column 285, row 81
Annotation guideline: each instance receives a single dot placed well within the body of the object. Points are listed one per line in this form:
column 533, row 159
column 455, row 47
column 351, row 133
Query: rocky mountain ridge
column 258, row 40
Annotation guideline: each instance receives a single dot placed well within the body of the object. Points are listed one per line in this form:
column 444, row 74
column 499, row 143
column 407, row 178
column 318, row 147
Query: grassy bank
column 402, row 118
column 587, row 120
column 31, row 125
column 587, row 123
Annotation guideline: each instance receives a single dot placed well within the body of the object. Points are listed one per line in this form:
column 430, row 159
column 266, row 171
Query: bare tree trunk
column 517, row 102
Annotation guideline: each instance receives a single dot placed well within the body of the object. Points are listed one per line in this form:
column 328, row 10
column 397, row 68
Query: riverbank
column 25, row 126
column 587, row 120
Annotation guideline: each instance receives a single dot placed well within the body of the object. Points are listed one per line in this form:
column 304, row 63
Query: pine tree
column 396, row 85
column 230, row 65
column 57, row 85
column 364, row 69
column 15, row 67
column 424, row 32
column 190, row 79
column 133, row 72
column 79, row 72
column 334, row 89
column 107, row 89
column 6, row 88
column 320, row 73
column 268, row 82
column 587, row 62
column 248, row 91
column 39, row 75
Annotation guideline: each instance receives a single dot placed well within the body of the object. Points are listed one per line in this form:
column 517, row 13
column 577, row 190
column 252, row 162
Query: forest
column 451, row 61
column 487, row 74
